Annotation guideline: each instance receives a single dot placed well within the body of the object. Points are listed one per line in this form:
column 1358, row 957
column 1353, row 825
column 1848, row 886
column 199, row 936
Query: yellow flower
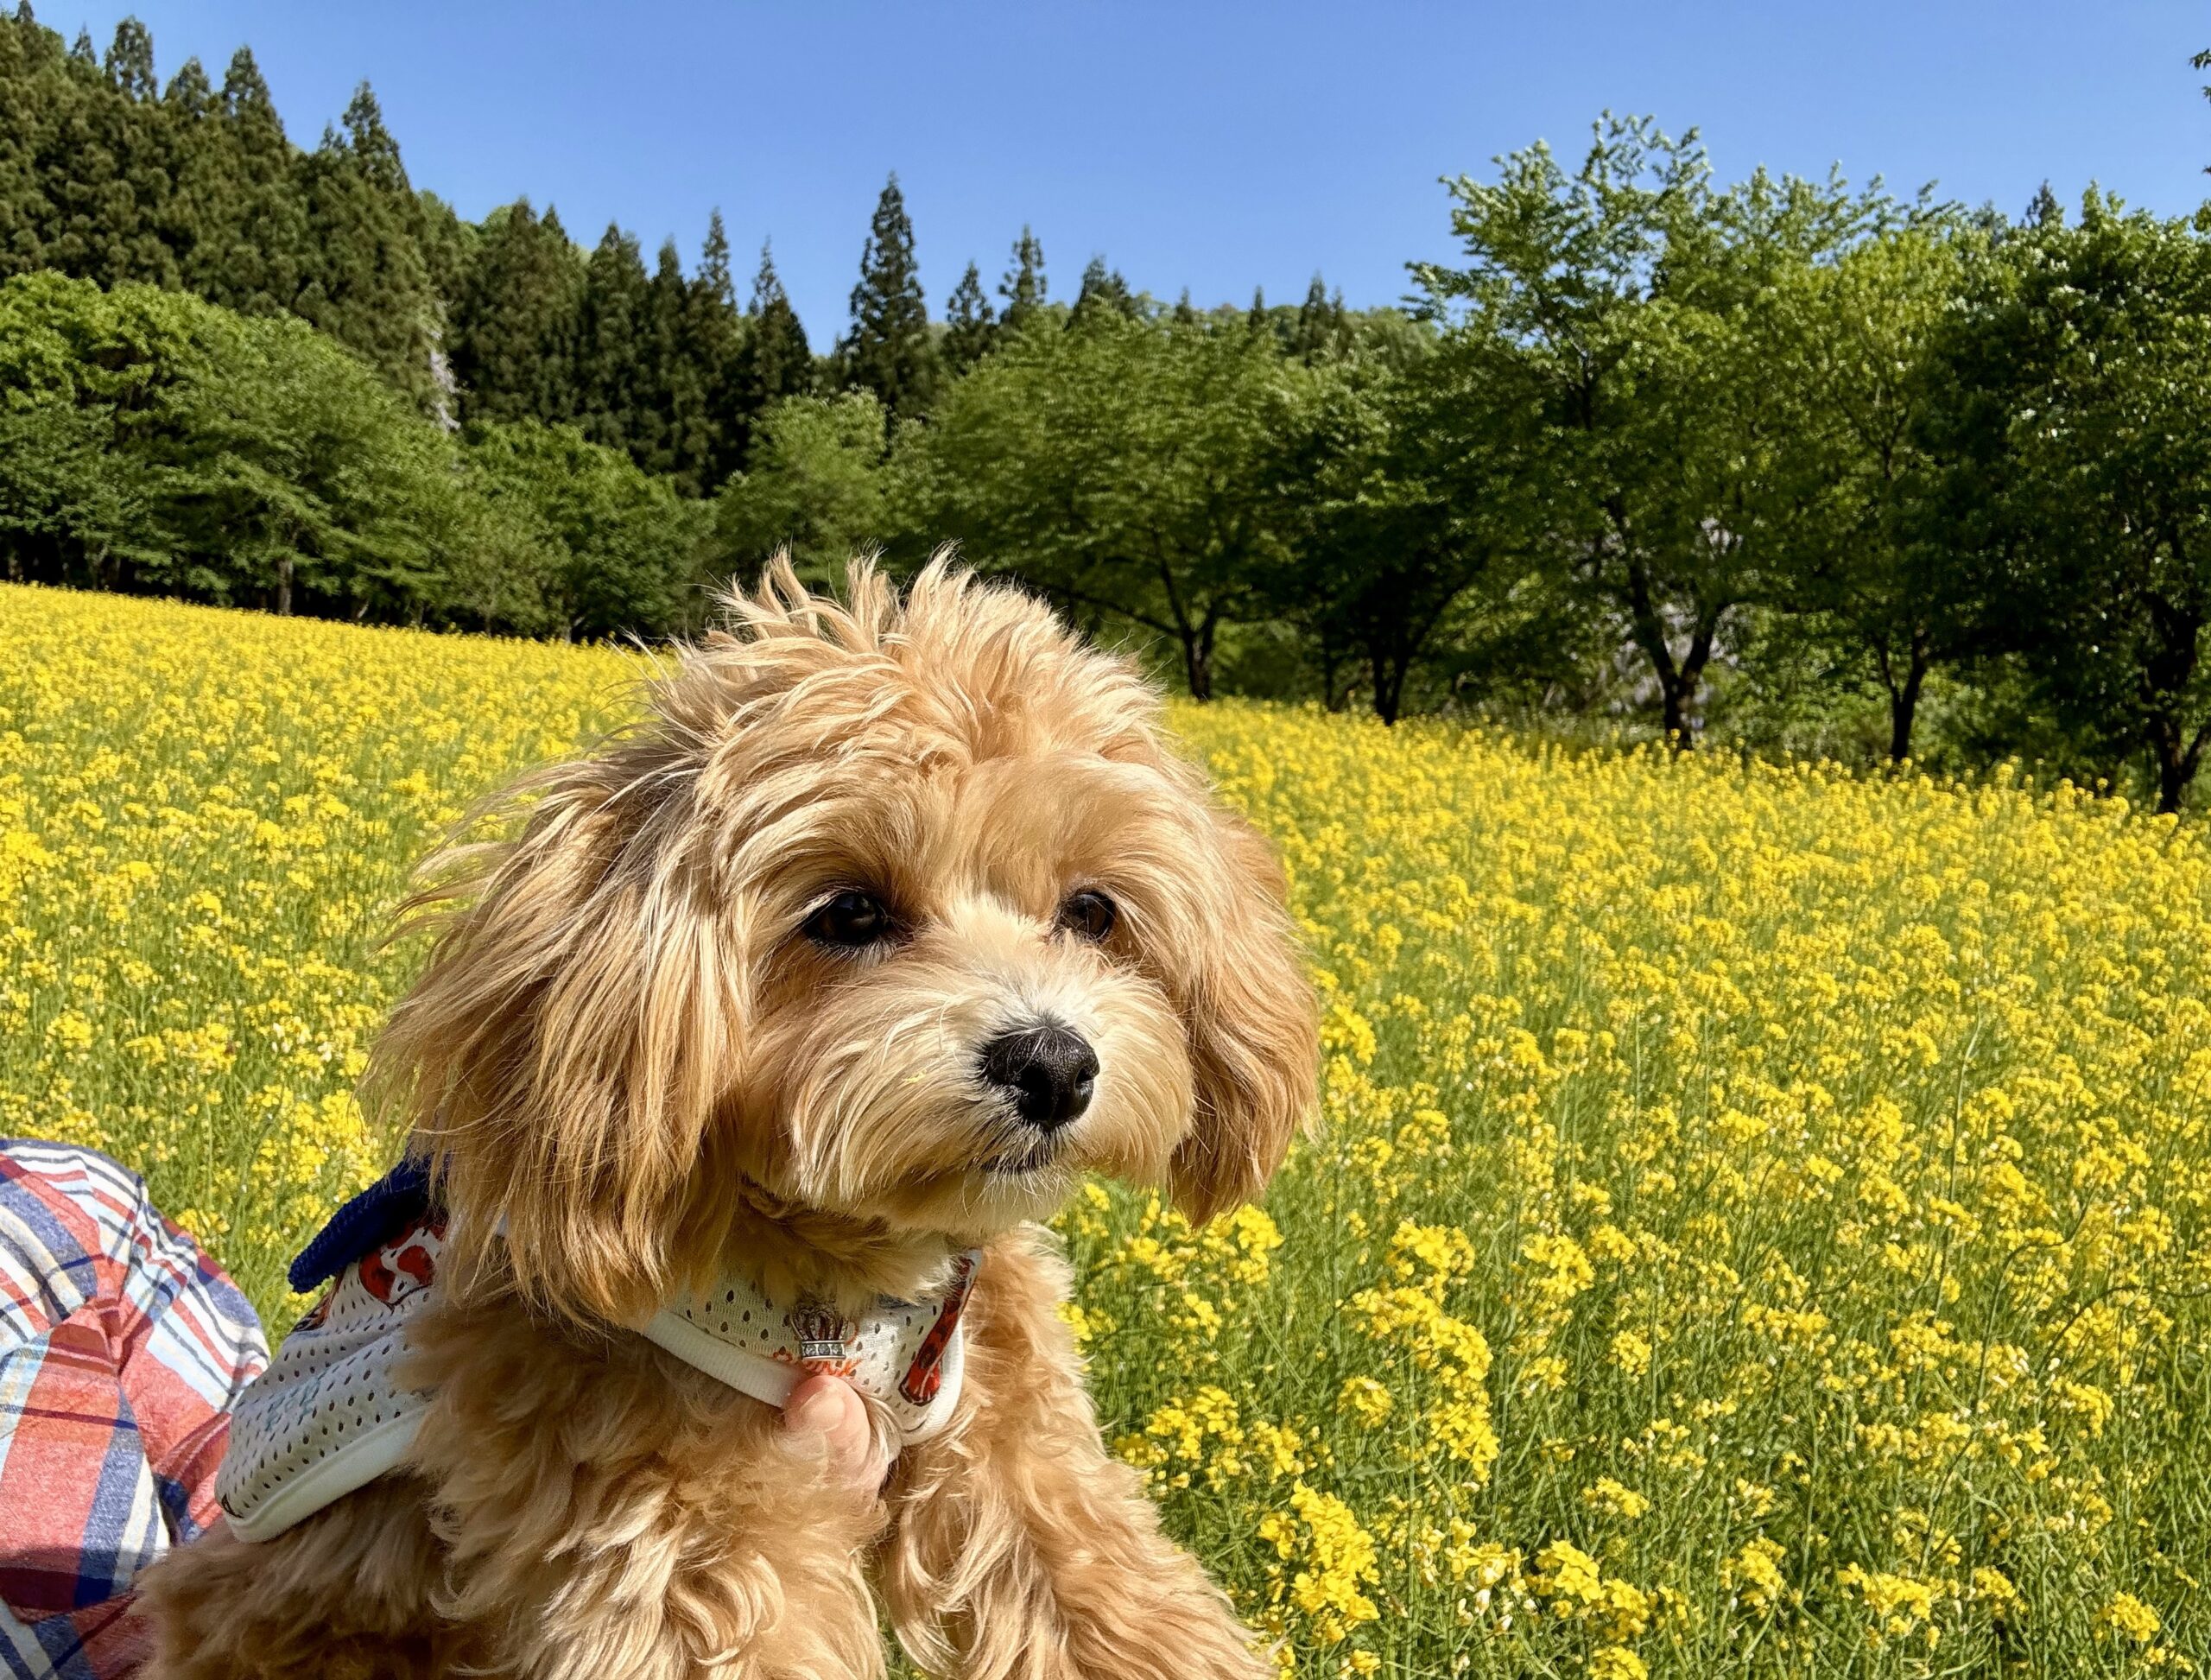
column 2127, row 1616
column 1617, row 1662
column 1632, row 1352
column 1805, row 1142
column 1566, row 1573
column 71, row 1030
column 1900, row 1602
column 1614, row 1500
column 1365, row 1399
column 1755, row 1572
column 1993, row 1589
column 1338, row 1558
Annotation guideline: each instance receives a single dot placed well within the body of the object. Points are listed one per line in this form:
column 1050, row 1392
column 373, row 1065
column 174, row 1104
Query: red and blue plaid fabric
column 122, row 1347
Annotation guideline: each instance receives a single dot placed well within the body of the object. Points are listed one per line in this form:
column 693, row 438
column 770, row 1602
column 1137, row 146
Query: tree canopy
column 1785, row 462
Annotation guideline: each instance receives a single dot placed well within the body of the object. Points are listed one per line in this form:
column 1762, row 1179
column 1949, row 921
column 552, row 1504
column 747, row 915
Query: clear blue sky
column 1218, row 147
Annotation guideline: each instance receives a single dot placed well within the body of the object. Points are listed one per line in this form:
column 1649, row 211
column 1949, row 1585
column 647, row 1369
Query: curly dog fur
column 634, row 1065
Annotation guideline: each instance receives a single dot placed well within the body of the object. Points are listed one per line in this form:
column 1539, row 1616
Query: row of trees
column 1846, row 445
column 107, row 175
column 1782, row 457
column 155, row 442
column 1782, row 460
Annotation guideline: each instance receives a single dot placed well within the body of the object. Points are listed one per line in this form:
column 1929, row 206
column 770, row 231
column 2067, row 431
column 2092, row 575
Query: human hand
column 827, row 1409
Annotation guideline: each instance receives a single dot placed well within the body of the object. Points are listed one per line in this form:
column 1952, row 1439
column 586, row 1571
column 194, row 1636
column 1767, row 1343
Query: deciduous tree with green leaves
column 1126, row 468
column 1629, row 308
column 600, row 548
column 817, row 483
column 2074, row 417
column 176, row 444
column 1409, row 565
column 1871, row 566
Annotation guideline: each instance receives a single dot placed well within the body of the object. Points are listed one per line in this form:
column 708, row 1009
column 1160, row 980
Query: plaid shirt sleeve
column 122, row 1347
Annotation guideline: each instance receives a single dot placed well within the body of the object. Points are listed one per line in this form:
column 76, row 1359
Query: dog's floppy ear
column 563, row 1052
column 1253, row 1037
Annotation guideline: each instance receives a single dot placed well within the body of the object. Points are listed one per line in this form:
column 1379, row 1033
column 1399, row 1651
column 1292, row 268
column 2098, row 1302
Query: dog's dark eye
column 1089, row 915
column 849, row 920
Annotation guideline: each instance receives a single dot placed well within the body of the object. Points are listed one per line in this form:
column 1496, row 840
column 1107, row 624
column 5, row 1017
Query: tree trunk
column 1678, row 684
column 284, row 587
column 1194, row 635
column 1903, row 704
column 1197, row 666
column 2178, row 755
column 1389, row 685
column 2165, row 678
column 2176, row 769
column 1677, row 680
column 1197, row 651
column 1676, row 694
column 1394, row 640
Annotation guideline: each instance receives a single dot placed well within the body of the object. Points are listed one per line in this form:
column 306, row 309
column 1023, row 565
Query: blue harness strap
column 393, row 1202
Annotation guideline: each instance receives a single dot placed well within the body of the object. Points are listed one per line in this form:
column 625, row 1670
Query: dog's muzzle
column 1047, row 1074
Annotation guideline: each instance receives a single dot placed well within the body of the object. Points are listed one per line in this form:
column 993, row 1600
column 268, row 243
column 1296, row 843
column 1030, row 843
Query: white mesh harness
column 329, row 1416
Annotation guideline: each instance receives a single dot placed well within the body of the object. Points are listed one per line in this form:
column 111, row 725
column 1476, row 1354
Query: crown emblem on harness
column 822, row 1333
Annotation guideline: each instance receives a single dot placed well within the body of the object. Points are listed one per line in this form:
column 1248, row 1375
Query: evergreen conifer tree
column 190, row 96
column 717, row 337
column 512, row 335
column 969, row 327
column 612, row 405
column 131, row 61
column 1023, row 288
column 671, row 396
column 191, row 140
column 369, row 144
column 713, row 278
column 29, row 66
column 119, row 180
column 245, row 92
column 447, row 244
column 365, row 281
column 888, row 350
column 241, row 195
column 1320, row 326
column 777, row 362
column 1105, row 291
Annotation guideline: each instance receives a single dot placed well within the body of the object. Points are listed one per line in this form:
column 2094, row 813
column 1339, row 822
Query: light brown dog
column 738, row 994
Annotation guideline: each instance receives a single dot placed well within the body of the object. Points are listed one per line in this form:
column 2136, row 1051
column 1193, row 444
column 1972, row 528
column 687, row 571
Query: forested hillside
column 1782, row 462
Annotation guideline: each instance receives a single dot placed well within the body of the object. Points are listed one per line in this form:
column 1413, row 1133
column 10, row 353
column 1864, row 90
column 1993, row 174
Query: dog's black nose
column 1049, row 1072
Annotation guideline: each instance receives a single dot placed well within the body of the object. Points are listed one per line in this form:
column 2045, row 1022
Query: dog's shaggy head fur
column 736, row 981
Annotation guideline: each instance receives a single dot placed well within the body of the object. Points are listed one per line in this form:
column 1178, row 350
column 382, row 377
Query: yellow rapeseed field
column 1759, row 1223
